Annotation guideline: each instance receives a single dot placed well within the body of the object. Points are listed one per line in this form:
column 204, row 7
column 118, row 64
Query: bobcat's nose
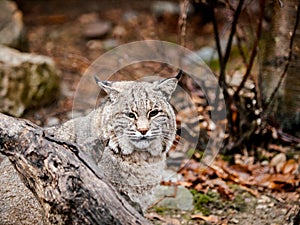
column 143, row 125
column 143, row 131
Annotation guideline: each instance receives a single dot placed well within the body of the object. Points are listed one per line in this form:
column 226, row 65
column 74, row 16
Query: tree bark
column 69, row 187
column 280, row 65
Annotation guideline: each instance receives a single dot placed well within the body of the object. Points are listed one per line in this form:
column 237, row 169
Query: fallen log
column 69, row 186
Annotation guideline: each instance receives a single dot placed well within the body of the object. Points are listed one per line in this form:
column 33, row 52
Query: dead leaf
column 254, row 192
column 291, row 167
column 239, row 175
column 199, row 187
column 185, row 184
column 262, row 180
column 282, row 181
column 210, row 218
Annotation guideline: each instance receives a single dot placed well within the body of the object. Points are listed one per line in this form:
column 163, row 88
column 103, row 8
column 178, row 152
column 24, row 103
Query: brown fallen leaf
column 221, row 186
column 185, row 183
column 254, row 192
column 283, row 182
column 262, row 180
column 210, row 218
column 239, row 175
column 291, row 167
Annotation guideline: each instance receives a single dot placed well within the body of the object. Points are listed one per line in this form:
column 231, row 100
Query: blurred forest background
column 252, row 47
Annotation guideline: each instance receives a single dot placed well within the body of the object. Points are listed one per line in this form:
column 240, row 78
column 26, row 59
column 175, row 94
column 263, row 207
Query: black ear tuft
column 179, row 75
column 96, row 79
column 101, row 83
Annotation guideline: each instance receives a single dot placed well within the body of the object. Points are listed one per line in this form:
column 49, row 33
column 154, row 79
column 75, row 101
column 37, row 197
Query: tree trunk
column 69, row 187
column 280, row 63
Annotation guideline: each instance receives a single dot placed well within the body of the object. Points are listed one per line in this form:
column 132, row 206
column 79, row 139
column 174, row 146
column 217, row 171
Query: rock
column 109, row 44
column 97, row 29
column 159, row 8
column 169, row 175
column 182, row 201
column 130, row 17
column 18, row 204
column 52, row 121
column 26, row 81
column 278, row 162
column 119, row 32
column 207, row 54
column 94, row 44
column 12, row 31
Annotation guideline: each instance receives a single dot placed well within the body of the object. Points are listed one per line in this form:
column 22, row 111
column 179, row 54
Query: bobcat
column 136, row 127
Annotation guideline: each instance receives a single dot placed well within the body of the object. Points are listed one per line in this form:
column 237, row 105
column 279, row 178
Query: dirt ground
column 57, row 29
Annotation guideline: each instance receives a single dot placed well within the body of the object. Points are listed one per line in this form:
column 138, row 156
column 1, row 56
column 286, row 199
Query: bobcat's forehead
column 139, row 96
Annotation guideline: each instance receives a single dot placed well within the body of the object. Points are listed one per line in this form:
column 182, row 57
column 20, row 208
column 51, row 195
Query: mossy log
column 69, row 187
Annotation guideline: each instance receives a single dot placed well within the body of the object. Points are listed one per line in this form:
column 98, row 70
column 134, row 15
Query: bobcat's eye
column 153, row 113
column 131, row 115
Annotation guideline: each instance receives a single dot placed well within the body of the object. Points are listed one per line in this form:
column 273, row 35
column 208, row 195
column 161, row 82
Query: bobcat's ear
column 168, row 86
column 107, row 87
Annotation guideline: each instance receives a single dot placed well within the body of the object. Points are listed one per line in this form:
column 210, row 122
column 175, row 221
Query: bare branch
column 229, row 43
column 184, row 7
column 254, row 49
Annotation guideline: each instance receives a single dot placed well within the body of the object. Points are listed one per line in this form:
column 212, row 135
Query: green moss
column 227, row 158
column 202, row 201
column 240, row 202
column 190, row 153
column 195, row 154
column 161, row 210
column 186, row 217
column 214, row 65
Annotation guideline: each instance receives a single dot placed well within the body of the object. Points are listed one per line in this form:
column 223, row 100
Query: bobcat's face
column 142, row 119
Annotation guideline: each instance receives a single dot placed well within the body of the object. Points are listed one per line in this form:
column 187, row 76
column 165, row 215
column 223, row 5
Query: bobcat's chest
column 131, row 170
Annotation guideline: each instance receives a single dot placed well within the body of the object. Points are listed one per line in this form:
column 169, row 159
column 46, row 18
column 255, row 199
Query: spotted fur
column 136, row 126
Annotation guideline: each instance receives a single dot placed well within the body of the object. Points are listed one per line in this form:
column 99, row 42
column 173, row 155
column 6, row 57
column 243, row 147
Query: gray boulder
column 26, row 81
column 182, row 200
column 18, row 204
column 12, row 31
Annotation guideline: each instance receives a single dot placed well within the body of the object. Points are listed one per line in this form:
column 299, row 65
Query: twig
column 184, row 6
column 223, row 60
column 229, row 43
column 238, row 37
column 241, row 51
column 216, row 35
column 283, row 75
column 254, row 50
